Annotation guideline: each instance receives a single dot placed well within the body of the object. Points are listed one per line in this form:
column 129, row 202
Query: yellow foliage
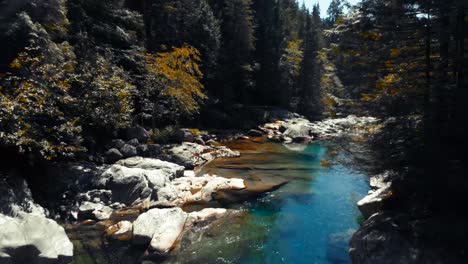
column 395, row 52
column 178, row 73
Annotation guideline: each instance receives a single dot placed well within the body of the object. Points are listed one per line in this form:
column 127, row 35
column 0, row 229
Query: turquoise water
column 308, row 220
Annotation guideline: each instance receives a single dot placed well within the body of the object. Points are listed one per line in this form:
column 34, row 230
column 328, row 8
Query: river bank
column 126, row 201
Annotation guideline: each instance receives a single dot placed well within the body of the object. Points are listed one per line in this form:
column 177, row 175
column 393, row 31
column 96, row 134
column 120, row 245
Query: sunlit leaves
column 177, row 73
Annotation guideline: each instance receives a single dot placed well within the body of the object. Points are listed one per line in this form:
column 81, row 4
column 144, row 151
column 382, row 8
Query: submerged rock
column 33, row 239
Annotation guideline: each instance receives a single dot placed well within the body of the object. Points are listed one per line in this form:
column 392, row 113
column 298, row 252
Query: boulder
column 128, row 151
column 298, row 130
column 116, row 143
column 113, row 155
column 381, row 239
column 122, row 231
column 206, row 214
column 94, row 211
column 373, row 202
column 95, row 196
column 133, row 142
column 255, row 133
column 139, row 133
column 183, row 135
column 136, row 179
column 199, row 141
column 143, row 150
column 153, row 150
column 33, row 239
column 173, row 170
column 191, row 189
column 191, row 155
column 160, row 228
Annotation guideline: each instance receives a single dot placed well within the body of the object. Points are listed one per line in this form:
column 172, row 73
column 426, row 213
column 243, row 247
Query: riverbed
column 308, row 218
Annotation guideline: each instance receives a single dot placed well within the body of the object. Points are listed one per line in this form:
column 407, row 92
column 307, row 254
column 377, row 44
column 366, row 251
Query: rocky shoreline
column 156, row 181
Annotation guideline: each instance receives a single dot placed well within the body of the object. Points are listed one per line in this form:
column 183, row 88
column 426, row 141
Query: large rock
column 139, row 133
column 381, row 240
column 193, row 189
column 122, row 231
column 160, row 228
column 94, row 211
column 127, row 184
column 299, row 132
column 113, row 155
column 191, row 155
column 136, row 179
column 128, row 151
column 33, row 239
column 374, row 202
column 184, row 135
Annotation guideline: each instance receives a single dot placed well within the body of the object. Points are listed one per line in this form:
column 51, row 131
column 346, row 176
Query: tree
column 35, row 112
column 335, row 11
column 176, row 74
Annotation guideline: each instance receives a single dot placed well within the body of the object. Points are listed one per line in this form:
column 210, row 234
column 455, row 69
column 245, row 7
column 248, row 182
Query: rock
column 191, row 155
column 133, row 142
column 143, row 150
column 211, row 142
column 199, row 141
column 128, row 151
column 113, row 155
column 173, row 170
column 154, row 150
column 122, row 231
column 206, row 215
column 381, row 239
column 33, row 239
column 127, row 185
column 139, row 133
column 116, row 143
column 298, row 130
column 183, row 135
column 16, row 197
column 94, row 211
column 255, row 133
column 160, row 228
column 373, row 202
column 196, row 189
column 95, row 196
column 137, row 179
column 380, row 181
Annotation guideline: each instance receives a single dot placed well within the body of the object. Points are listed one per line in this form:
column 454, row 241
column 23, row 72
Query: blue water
column 309, row 220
